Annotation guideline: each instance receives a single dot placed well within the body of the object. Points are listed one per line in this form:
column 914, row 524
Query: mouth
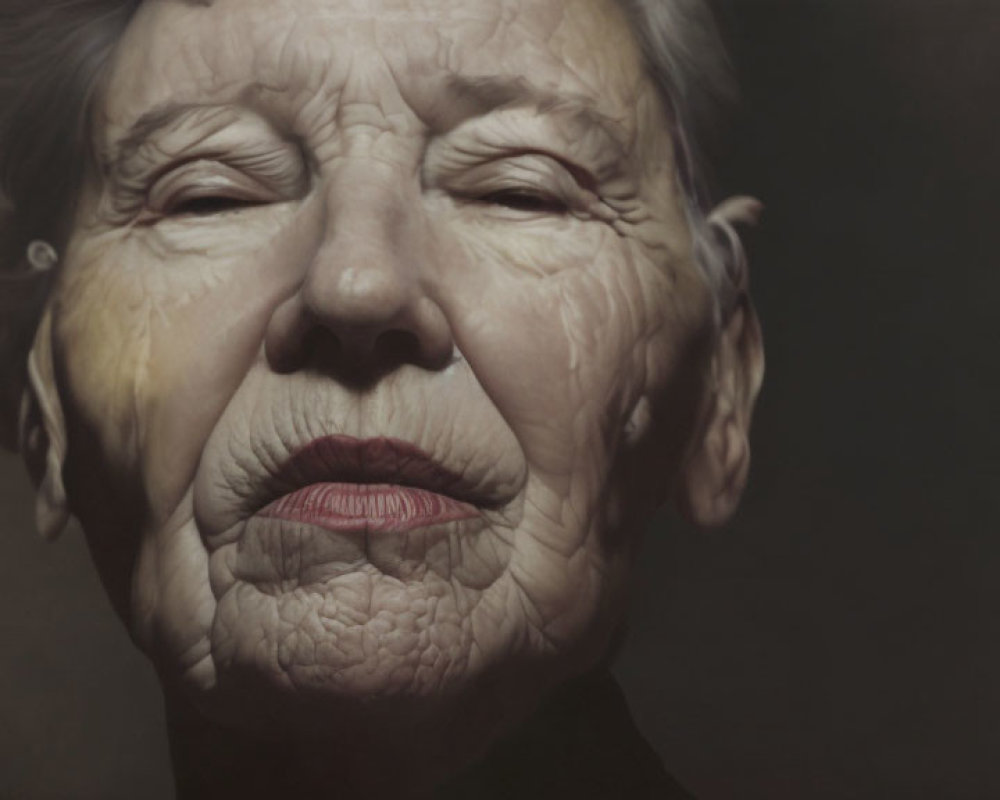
column 377, row 485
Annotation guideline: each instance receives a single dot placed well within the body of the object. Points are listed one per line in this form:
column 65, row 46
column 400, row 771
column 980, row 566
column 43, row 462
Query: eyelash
column 224, row 190
column 207, row 205
column 523, row 200
column 527, row 182
column 204, row 189
column 527, row 200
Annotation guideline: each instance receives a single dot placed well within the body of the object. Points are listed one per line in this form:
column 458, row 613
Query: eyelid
column 529, row 170
column 206, row 177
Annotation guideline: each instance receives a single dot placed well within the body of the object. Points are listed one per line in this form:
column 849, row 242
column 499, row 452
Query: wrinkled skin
column 340, row 227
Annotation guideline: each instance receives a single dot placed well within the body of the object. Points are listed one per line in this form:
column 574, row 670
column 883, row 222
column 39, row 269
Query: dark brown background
column 839, row 640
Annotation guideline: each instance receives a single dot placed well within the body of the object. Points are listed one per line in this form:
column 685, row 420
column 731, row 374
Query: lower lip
column 367, row 507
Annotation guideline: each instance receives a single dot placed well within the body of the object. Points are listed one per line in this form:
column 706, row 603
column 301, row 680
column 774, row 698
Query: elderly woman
column 363, row 337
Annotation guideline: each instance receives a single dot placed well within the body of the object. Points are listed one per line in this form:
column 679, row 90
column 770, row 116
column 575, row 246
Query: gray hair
column 54, row 54
column 684, row 55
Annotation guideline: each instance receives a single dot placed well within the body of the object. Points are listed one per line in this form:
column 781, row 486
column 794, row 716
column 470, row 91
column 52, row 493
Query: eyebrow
column 151, row 122
column 467, row 98
column 477, row 96
column 173, row 112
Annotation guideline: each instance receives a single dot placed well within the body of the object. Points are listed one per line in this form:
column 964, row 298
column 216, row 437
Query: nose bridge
column 363, row 301
column 366, row 270
column 366, row 302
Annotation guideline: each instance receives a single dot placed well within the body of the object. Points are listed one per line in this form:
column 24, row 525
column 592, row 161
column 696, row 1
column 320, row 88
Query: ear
column 23, row 291
column 715, row 473
column 43, row 434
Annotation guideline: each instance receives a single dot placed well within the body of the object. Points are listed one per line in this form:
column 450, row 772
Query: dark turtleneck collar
column 581, row 744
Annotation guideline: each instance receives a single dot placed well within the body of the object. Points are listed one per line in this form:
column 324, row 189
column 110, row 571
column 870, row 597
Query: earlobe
column 43, row 434
column 715, row 473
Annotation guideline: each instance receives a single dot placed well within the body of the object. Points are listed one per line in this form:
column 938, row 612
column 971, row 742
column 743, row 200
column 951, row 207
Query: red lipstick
column 377, row 485
column 368, row 507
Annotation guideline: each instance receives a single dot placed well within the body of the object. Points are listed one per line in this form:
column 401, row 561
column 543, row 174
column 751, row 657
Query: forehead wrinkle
column 173, row 115
column 460, row 99
column 440, row 98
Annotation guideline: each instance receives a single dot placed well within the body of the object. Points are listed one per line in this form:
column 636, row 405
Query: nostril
column 323, row 330
column 397, row 346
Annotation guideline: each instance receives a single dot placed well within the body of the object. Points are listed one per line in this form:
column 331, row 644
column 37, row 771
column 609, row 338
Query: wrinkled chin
column 372, row 658
column 351, row 615
column 326, row 636
column 362, row 633
column 341, row 639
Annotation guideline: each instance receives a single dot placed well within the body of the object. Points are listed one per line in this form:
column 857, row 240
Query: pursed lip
column 373, row 485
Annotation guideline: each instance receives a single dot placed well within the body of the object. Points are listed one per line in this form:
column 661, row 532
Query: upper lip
column 345, row 459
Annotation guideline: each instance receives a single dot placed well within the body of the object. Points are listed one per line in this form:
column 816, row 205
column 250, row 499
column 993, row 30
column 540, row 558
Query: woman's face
column 378, row 336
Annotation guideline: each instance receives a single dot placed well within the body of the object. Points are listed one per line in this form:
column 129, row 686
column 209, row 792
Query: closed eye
column 208, row 187
column 516, row 184
column 208, row 205
column 524, row 200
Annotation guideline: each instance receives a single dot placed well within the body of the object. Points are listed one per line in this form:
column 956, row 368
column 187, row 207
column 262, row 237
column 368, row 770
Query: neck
column 579, row 737
column 375, row 752
column 213, row 761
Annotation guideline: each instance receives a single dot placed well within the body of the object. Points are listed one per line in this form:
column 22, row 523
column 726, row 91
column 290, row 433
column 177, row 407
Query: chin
column 353, row 699
column 366, row 651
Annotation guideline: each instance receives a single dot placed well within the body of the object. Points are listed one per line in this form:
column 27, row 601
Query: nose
column 363, row 301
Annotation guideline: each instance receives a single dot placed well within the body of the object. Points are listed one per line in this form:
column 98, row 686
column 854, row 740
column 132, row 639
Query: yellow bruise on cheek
column 102, row 342
column 118, row 303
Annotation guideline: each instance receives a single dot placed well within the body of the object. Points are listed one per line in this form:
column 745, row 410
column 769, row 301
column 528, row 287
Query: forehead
column 401, row 51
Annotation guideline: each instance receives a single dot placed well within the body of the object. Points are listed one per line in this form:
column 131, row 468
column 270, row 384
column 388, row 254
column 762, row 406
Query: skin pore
column 449, row 224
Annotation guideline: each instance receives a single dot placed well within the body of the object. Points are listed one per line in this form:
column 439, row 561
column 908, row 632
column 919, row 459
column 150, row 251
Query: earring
column 638, row 422
column 41, row 256
column 723, row 220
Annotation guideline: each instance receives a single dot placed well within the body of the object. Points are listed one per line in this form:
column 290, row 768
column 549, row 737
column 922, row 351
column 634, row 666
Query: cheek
column 559, row 323
column 555, row 333
column 157, row 334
